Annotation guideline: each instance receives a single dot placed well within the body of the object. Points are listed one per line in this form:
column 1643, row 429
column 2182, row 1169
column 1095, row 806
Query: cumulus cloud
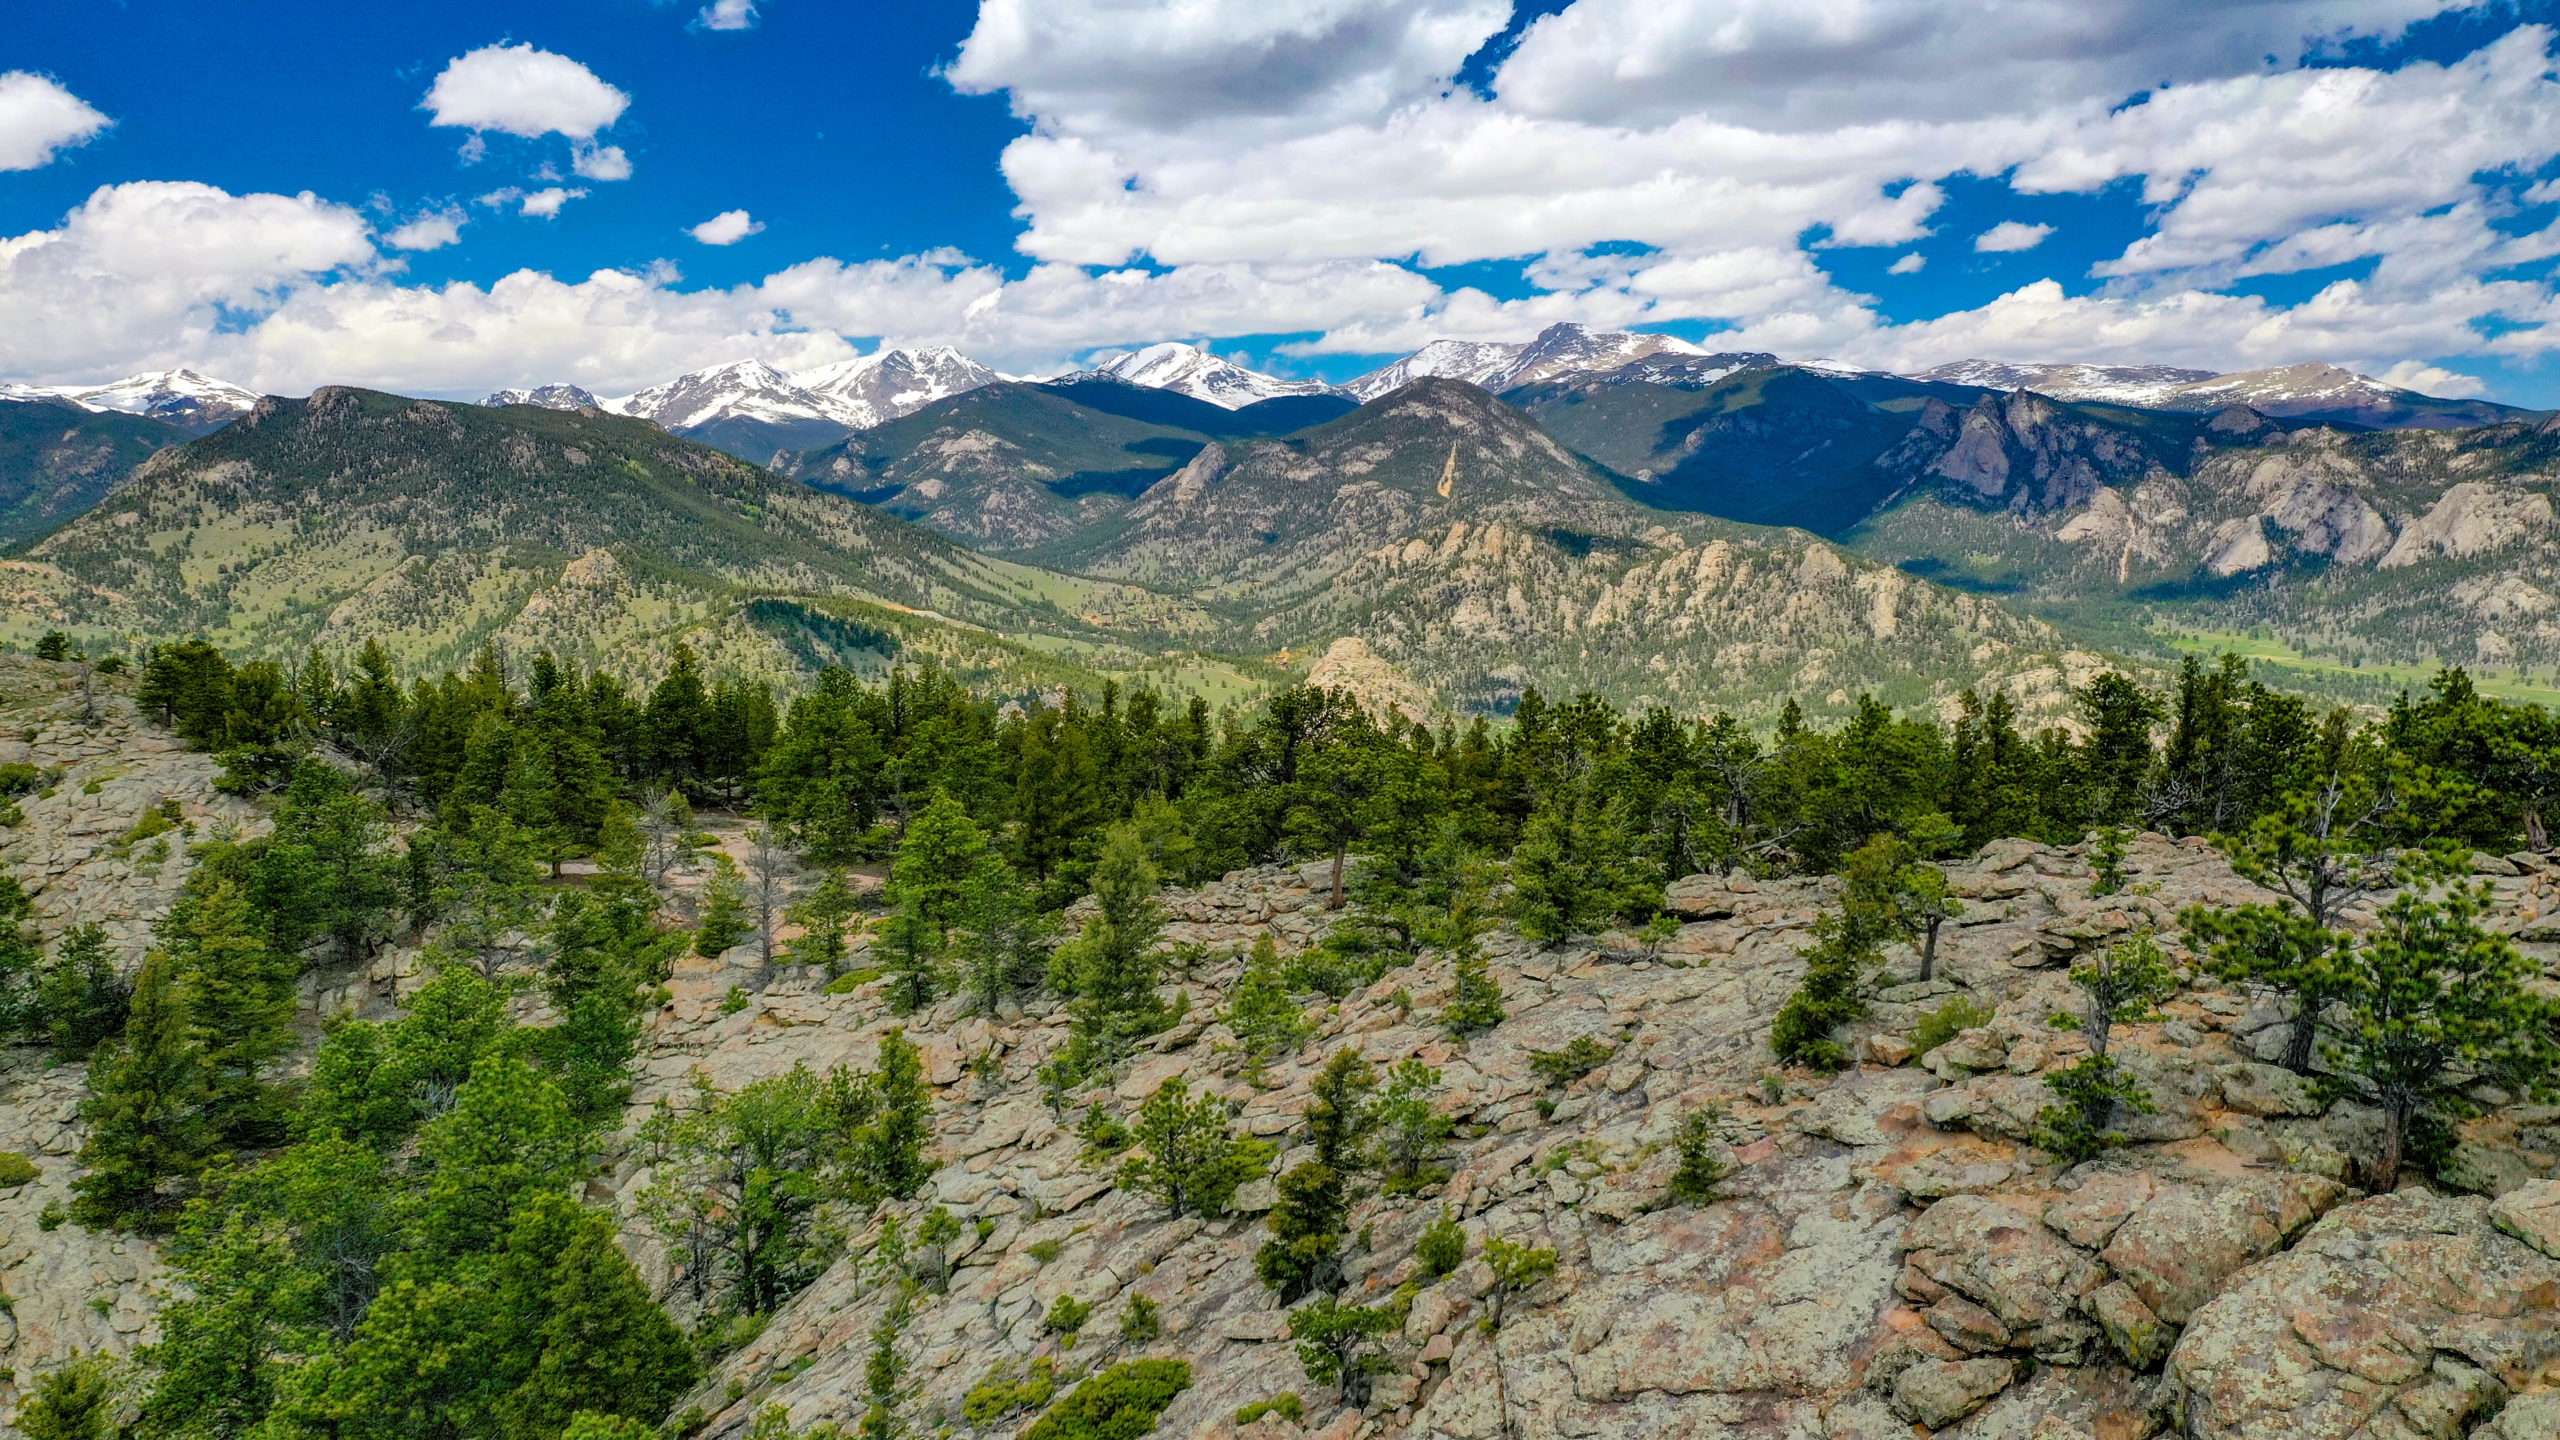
column 519, row 90
column 542, row 204
column 726, row 15
column 600, row 162
column 546, row 204
column 39, row 119
column 1820, row 65
column 153, row 271
column 2433, row 380
column 431, row 231
column 726, row 228
column 2010, row 236
column 1911, row 264
column 1117, row 68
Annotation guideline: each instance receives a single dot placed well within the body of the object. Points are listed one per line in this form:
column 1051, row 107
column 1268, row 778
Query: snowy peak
column 876, row 388
column 739, row 390
column 2152, row 385
column 1474, row 361
column 1572, row 349
column 1559, row 350
column 181, row 397
column 2310, row 390
column 549, row 397
column 1192, row 371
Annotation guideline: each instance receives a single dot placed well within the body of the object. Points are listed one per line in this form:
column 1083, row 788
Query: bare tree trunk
column 1334, row 901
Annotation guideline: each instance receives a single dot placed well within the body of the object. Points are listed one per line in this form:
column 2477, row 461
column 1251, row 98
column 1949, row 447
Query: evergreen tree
column 1840, row 966
column 240, row 999
column 823, row 915
column 600, row 1343
column 2431, row 1006
column 1575, row 871
column 1111, row 968
column 1475, row 997
column 1260, row 1011
column 147, row 1111
column 1191, row 1161
column 1411, row 1131
column 723, row 923
column 327, row 869
column 75, row 1400
column 79, row 1001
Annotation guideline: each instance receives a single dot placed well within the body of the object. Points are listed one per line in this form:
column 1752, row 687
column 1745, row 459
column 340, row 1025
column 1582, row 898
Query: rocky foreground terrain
column 1888, row 1258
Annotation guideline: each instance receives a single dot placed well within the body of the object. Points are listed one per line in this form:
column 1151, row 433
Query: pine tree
column 80, row 1002
column 149, row 1132
column 1261, row 1012
column 1191, row 1161
column 1111, row 968
column 2433, row 1005
column 1475, row 997
column 1576, row 871
column 893, row 1155
column 1411, row 1131
column 723, row 922
column 602, row 1344
column 823, row 915
column 1840, row 966
column 75, row 1400
column 240, row 998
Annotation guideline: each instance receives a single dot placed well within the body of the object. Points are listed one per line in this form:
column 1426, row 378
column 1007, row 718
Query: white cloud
column 2433, row 380
column 519, row 90
column 2010, row 236
column 600, row 162
column 2237, row 164
column 1911, row 264
column 1227, row 68
column 152, row 272
column 726, row 228
column 546, row 204
column 431, row 231
column 727, row 15
column 1822, row 65
column 39, row 119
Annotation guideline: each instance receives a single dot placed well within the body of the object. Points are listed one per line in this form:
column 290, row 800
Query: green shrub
column 1286, row 1405
column 1443, row 1247
column 16, row 1170
column 852, row 980
column 1067, row 1316
column 1140, row 1321
column 1121, row 1403
column 19, row 778
column 1045, row 1251
column 1010, row 1389
column 1560, row 1068
column 1947, row 1022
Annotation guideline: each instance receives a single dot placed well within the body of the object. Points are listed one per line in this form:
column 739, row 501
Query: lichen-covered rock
column 2405, row 1314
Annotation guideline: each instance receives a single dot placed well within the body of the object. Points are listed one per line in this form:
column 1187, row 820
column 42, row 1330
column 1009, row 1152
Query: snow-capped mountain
column 557, row 396
column 1195, row 372
column 739, row 390
column 2310, row 390
column 1474, row 361
column 2108, row 384
column 882, row 386
column 183, row 398
column 1560, row 349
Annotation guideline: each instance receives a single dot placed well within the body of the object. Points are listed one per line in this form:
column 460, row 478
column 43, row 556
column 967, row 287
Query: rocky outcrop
column 1889, row 1256
column 2407, row 1314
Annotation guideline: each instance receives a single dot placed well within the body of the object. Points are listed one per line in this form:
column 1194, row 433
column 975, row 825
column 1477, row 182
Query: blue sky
column 1310, row 187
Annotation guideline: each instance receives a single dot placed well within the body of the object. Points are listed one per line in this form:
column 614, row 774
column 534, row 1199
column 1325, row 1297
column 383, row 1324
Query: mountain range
column 1636, row 514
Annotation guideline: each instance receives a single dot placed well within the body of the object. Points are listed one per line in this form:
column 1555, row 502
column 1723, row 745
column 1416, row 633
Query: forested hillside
column 536, row 1053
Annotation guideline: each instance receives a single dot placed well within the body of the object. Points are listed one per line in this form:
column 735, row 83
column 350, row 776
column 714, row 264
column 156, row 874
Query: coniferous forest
column 387, row 1237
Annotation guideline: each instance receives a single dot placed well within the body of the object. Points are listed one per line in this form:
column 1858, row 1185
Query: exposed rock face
column 2406, row 1314
column 1887, row 1259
